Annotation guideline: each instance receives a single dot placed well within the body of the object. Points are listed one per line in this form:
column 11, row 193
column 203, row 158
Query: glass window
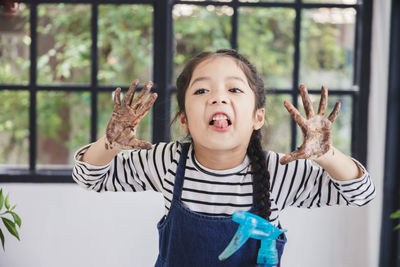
column 266, row 38
column 63, row 126
column 14, row 129
column 125, row 43
column 175, row 131
column 276, row 131
column 14, row 46
column 327, row 47
column 74, row 97
column 346, row 2
column 197, row 29
column 260, row 1
column 64, row 43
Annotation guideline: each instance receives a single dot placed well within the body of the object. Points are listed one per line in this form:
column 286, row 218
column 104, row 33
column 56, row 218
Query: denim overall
column 191, row 239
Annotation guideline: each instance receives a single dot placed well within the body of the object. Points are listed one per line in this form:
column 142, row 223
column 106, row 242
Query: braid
column 261, row 177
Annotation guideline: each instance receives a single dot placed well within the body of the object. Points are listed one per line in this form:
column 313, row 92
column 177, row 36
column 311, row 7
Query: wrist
column 112, row 148
column 328, row 155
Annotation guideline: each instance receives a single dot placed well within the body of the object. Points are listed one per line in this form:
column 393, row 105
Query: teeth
column 220, row 117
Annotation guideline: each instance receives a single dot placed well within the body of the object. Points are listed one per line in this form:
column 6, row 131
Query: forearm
column 98, row 154
column 339, row 166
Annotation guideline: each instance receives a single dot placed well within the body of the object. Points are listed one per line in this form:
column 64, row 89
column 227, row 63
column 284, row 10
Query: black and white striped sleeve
column 133, row 170
column 303, row 183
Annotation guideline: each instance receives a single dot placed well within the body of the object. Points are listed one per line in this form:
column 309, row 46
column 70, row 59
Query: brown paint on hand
column 121, row 129
column 316, row 128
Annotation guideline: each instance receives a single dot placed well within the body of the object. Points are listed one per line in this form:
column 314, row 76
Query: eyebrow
column 208, row 78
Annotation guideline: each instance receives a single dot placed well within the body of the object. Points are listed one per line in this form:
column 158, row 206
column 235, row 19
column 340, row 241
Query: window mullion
column 32, row 87
column 234, row 24
column 296, row 70
column 360, row 103
column 94, row 70
column 162, row 68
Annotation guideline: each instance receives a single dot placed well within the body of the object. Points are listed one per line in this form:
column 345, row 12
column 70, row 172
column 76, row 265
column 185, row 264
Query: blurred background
column 60, row 61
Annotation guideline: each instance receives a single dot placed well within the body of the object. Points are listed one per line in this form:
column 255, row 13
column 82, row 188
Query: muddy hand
column 121, row 129
column 316, row 129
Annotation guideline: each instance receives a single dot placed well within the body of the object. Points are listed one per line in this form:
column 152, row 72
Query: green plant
column 10, row 225
column 396, row 215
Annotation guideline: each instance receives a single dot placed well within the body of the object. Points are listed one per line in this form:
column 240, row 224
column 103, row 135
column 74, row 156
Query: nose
column 218, row 98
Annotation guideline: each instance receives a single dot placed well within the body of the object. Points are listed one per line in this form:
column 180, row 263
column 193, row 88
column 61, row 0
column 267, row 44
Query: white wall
column 64, row 225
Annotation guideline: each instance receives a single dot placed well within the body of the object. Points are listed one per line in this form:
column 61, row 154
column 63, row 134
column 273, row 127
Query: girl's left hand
column 316, row 128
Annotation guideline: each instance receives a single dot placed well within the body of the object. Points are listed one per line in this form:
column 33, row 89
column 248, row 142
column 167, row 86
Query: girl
column 223, row 168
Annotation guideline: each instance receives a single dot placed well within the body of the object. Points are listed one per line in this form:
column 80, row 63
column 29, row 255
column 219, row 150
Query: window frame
column 163, row 53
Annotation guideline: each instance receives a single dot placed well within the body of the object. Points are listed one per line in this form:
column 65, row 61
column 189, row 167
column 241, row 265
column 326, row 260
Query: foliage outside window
column 266, row 35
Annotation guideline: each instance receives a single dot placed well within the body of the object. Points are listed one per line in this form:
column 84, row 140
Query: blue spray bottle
column 253, row 226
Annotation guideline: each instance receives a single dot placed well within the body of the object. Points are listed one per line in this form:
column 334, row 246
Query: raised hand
column 316, row 129
column 121, row 129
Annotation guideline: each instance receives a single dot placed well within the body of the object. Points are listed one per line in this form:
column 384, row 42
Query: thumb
column 135, row 144
column 297, row 154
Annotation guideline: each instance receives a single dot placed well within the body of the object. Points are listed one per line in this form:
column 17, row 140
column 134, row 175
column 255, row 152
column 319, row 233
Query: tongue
column 221, row 123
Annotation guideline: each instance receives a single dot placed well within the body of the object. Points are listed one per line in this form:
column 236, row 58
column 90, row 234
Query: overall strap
column 180, row 172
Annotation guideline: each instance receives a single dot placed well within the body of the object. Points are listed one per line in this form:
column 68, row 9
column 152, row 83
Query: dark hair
column 255, row 152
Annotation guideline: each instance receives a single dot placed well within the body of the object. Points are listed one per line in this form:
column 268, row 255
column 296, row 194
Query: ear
column 183, row 122
column 259, row 118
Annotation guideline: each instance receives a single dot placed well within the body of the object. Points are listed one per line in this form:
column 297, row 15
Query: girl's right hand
column 121, row 129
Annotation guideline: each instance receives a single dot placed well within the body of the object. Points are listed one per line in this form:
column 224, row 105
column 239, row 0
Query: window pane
column 197, row 29
column 14, row 46
column 105, row 108
column 341, row 128
column 125, row 45
column 64, row 42
column 176, row 133
column 266, row 38
column 14, row 128
column 63, row 125
column 346, row 2
column 273, row 1
column 207, row 0
column 327, row 47
column 276, row 131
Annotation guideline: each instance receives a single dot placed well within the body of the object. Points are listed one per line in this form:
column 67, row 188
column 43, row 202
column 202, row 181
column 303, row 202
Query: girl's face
column 220, row 106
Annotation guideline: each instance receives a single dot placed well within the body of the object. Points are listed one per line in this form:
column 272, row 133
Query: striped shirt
column 300, row 183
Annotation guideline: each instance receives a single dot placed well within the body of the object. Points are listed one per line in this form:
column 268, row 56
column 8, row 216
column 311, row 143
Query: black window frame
column 163, row 53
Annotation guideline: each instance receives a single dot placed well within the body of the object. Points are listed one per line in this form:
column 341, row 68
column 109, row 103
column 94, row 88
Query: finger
column 335, row 112
column 134, row 143
column 117, row 97
column 296, row 115
column 308, row 108
column 297, row 154
column 146, row 106
column 138, row 102
column 131, row 92
column 322, row 102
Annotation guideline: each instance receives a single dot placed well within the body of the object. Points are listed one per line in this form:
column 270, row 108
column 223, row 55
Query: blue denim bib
column 191, row 239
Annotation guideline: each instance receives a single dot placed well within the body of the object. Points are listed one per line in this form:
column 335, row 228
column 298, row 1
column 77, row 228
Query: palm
column 316, row 129
column 126, row 117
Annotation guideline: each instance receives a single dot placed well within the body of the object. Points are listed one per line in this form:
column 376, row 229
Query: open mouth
column 220, row 120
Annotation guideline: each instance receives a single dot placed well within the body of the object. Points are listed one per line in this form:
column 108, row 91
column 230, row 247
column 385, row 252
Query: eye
column 200, row 91
column 235, row 90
